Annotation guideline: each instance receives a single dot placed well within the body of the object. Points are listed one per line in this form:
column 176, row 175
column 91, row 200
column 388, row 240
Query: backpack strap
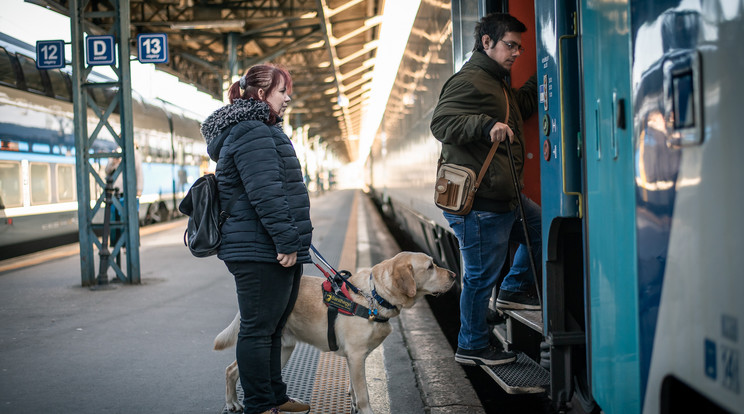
column 225, row 212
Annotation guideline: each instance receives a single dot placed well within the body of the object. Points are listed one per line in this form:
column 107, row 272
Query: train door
column 610, row 243
column 560, row 174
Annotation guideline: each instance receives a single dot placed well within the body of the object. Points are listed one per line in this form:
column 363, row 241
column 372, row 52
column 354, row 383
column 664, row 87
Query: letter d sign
column 99, row 50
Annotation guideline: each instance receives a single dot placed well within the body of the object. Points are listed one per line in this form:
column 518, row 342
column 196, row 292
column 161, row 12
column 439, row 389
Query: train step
column 530, row 318
column 524, row 376
column 516, row 328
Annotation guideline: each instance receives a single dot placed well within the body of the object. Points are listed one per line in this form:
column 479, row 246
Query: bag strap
column 494, row 147
column 225, row 212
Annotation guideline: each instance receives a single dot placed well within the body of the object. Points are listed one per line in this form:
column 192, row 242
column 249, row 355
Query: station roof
column 329, row 47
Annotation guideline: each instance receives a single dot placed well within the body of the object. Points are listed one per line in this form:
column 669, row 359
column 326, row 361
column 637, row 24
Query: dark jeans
column 266, row 295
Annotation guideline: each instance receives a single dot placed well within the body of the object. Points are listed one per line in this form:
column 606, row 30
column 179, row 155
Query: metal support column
column 88, row 153
column 232, row 60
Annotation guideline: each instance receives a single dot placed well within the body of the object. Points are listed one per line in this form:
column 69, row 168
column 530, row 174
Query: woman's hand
column 287, row 260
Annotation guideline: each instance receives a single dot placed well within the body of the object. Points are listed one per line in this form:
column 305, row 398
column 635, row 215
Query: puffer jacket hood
column 214, row 127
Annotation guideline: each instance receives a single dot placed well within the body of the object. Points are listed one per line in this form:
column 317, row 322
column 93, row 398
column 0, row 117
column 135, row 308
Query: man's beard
column 502, row 72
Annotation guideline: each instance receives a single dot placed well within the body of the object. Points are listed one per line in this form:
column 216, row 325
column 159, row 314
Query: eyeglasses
column 513, row 46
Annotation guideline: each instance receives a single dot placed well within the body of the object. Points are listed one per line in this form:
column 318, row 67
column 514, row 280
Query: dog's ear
column 403, row 278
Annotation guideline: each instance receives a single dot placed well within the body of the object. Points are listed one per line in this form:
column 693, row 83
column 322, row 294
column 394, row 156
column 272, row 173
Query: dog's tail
column 229, row 336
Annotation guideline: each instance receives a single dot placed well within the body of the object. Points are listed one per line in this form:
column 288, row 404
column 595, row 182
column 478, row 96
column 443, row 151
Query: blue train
column 634, row 158
column 38, row 195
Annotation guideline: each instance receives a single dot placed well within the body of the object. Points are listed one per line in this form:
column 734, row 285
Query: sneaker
column 494, row 318
column 485, row 356
column 517, row 300
column 272, row 411
column 294, row 406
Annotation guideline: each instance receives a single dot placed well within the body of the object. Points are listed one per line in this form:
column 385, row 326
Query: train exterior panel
column 686, row 61
column 404, row 158
column 639, row 183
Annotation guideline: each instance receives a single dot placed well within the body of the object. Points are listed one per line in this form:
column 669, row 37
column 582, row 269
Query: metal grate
column 330, row 391
column 299, row 373
column 521, row 377
column 322, row 379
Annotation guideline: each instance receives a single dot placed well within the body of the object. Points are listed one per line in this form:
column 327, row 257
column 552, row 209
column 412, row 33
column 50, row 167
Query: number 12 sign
column 152, row 48
column 50, row 54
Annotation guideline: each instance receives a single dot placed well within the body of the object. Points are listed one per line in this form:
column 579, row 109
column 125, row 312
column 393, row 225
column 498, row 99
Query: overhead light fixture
column 209, row 24
column 324, row 64
column 319, row 43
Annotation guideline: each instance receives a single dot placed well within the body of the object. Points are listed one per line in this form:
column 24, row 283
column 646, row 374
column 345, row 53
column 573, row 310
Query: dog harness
column 337, row 298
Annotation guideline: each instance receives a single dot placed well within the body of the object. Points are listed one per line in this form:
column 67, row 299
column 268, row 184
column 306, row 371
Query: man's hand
column 287, row 260
column 500, row 131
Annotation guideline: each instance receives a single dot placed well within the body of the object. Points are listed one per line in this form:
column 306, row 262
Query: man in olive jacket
column 470, row 116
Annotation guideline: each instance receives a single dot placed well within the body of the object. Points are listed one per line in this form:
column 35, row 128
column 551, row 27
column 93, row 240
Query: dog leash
column 331, row 274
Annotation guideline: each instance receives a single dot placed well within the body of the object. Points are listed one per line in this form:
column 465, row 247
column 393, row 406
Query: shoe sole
column 515, row 306
column 474, row 361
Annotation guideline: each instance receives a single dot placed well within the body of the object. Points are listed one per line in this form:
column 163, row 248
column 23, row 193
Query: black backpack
column 202, row 205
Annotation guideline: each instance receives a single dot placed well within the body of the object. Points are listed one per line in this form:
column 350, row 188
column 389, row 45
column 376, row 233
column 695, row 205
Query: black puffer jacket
column 273, row 216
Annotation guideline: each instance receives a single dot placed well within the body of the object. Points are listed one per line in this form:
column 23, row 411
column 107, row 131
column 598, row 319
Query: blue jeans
column 484, row 243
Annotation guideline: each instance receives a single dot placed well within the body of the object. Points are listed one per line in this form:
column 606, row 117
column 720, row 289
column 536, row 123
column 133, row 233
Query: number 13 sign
column 152, row 48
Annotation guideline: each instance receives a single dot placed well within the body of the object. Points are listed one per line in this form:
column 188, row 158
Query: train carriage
column 38, row 195
column 633, row 157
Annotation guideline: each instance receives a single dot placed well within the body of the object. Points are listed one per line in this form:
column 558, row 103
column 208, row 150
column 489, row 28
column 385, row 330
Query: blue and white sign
column 99, row 50
column 50, row 54
column 152, row 48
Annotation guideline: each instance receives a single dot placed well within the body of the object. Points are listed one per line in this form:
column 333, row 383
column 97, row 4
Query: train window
column 60, row 84
column 31, row 75
column 10, row 184
column 65, row 182
column 7, row 69
column 40, row 184
column 465, row 14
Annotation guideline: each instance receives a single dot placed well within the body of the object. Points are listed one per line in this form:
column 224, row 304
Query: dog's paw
column 234, row 406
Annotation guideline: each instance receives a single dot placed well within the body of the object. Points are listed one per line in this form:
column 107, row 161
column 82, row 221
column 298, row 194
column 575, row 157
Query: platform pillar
column 90, row 156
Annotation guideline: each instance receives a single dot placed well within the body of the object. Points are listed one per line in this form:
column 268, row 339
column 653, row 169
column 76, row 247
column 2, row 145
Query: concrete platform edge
column 416, row 341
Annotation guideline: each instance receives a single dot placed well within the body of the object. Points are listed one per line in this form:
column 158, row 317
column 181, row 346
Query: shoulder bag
column 456, row 185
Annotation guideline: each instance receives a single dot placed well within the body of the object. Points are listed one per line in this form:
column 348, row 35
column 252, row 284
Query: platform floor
column 148, row 348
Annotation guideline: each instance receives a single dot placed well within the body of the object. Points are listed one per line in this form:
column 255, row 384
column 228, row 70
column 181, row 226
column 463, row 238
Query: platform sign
column 99, row 50
column 50, row 54
column 152, row 48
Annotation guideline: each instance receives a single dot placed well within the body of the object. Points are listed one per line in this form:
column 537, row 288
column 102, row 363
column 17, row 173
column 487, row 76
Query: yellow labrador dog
column 400, row 281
